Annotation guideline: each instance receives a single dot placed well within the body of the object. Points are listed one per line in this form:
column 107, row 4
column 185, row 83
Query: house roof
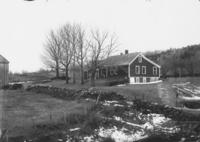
column 124, row 59
column 119, row 60
column 3, row 60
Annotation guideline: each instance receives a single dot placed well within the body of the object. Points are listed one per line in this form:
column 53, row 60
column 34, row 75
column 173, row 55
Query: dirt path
column 166, row 94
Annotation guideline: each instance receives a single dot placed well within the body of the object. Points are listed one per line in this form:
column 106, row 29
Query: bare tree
column 67, row 49
column 101, row 45
column 52, row 53
column 81, row 50
column 74, row 39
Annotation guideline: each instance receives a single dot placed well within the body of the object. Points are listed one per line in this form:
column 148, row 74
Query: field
column 39, row 118
column 22, row 110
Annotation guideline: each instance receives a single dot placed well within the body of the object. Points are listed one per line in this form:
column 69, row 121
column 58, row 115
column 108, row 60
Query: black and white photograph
column 100, row 71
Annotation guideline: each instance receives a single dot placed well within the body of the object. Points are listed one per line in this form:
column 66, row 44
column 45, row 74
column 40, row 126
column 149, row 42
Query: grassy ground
column 23, row 110
column 147, row 92
column 62, row 84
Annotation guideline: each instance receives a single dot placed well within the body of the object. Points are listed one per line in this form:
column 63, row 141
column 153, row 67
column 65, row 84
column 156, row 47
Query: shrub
column 5, row 87
column 17, row 86
column 74, row 119
column 92, row 122
column 117, row 81
column 108, row 139
column 14, row 86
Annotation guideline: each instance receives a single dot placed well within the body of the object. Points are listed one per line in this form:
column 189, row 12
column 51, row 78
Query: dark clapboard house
column 134, row 67
column 4, row 67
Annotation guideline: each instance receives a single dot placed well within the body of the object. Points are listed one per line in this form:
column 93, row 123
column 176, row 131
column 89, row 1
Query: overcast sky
column 141, row 25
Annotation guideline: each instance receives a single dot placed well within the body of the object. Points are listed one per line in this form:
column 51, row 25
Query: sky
column 141, row 25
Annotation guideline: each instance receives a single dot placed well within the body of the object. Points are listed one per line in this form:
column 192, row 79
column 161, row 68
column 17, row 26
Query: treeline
column 178, row 62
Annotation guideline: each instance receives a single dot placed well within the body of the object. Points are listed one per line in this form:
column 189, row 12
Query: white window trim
column 155, row 71
column 144, row 68
column 137, row 67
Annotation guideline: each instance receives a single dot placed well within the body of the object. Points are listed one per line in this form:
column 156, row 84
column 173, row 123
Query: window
column 137, row 69
column 144, row 70
column 154, row 71
column 140, row 59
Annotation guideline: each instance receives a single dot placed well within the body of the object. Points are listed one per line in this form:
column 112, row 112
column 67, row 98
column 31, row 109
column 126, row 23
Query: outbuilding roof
column 3, row 60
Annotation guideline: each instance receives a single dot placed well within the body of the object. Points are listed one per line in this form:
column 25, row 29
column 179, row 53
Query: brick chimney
column 126, row 51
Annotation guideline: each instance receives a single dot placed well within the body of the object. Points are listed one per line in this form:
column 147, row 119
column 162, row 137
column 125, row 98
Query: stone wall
column 70, row 94
column 170, row 112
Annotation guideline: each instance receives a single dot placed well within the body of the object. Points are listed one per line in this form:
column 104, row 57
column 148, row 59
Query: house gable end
column 141, row 55
column 144, row 63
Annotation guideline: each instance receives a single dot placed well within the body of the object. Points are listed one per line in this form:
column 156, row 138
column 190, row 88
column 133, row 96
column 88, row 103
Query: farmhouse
column 134, row 67
column 4, row 67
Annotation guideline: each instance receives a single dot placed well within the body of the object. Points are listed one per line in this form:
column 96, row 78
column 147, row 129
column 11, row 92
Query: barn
column 135, row 67
column 4, row 68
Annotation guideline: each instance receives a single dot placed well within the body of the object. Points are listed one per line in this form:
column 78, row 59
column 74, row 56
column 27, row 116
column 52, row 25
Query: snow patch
column 118, row 105
column 74, row 129
column 108, row 103
column 153, row 121
column 158, row 119
column 88, row 139
column 190, row 98
column 129, row 103
column 119, row 135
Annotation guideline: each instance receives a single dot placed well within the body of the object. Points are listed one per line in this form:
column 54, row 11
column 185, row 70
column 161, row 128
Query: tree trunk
column 93, row 78
column 57, row 70
column 74, row 79
column 82, row 73
column 66, row 75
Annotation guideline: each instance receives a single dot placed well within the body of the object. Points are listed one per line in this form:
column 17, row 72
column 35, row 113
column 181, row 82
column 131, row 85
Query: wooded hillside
column 178, row 62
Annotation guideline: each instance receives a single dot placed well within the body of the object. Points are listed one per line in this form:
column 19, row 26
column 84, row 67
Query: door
column 141, row 79
column 137, row 79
